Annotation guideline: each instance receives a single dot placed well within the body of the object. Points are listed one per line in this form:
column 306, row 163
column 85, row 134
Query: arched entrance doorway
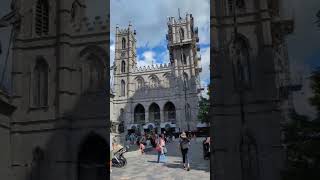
column 154, row 113
column 139, row 114
column 93, row 158
column 169, row 112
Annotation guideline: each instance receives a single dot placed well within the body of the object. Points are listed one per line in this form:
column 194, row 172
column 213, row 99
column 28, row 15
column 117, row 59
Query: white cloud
column 149, row 18
column 147, row 58
column 204, row 93
column 205, row 64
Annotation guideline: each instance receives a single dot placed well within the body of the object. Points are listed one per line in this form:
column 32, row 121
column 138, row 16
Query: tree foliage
column 203, row 110
column 204, row 105
column 303, row 149
column 302, row 140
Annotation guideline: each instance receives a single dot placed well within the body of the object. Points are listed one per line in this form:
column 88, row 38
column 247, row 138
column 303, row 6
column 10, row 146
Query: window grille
column 42, row 17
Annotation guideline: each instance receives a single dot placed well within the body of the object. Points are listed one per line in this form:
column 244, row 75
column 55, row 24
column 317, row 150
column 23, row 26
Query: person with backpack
column 184, row 146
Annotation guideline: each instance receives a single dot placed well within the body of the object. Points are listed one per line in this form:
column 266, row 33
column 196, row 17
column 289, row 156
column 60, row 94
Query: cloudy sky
column 149, row 19
column 303, row 48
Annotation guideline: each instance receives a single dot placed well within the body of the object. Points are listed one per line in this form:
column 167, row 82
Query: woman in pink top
column 160, row 146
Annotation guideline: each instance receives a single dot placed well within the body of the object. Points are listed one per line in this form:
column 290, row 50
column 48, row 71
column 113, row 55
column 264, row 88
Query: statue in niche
column 240, row 64
column 249, row 157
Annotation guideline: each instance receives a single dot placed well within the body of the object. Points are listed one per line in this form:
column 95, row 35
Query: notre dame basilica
column 162, row 97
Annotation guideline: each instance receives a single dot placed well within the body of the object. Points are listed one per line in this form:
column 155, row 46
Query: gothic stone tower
column 245, row 109
column 59, row 88
column 158, row 94
column 182, row 45
column 125, row 61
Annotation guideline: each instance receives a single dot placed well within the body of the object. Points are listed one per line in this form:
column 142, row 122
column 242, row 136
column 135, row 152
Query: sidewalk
column 144, row 167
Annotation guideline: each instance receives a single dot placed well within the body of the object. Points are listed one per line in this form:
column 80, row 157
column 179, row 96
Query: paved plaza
column 143, row 167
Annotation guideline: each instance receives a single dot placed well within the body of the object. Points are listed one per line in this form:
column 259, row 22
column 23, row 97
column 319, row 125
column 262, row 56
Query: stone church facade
column 251, row 80
column 59, row 129
column 162, row 96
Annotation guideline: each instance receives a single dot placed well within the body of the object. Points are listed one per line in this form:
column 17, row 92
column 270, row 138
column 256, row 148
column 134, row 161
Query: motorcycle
column 118, row 159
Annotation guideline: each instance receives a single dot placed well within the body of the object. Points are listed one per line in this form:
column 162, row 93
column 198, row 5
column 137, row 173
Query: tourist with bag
column 161, row 148
column 184, row 146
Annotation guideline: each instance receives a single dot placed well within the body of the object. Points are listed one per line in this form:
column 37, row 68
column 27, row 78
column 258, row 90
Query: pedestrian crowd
column 158, row 142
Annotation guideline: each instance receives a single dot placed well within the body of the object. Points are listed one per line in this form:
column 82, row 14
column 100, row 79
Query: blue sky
column 150, row 23
column 149, row 19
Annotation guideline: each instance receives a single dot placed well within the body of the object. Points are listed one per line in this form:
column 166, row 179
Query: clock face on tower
column 123, row 54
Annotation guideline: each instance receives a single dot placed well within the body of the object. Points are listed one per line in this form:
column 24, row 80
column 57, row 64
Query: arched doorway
column 92, row 69
column 93, row 158
column 154, row 113
column 139, row 114
column 169, row 112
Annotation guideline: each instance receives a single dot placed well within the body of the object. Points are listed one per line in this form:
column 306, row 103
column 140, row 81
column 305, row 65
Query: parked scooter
column 118, row 159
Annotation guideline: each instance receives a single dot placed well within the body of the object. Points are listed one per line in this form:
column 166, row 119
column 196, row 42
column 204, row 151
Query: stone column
column 146, row 116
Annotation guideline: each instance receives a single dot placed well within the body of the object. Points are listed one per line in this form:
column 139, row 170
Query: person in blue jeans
column 184, row 146
column 160, row 146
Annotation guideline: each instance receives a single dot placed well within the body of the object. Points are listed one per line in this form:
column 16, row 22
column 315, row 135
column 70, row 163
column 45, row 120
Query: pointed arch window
column 166, row 81
column 140, row 82
column 42, row 17
column 123, row 43
column 184, row 59
column 123, row 88
column 123, row 67
column 40, row 85
column 181, row 33
column 154, row 81
column 185, row 80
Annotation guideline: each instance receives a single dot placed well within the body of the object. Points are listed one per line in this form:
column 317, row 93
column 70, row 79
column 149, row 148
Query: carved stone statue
column 240, row 62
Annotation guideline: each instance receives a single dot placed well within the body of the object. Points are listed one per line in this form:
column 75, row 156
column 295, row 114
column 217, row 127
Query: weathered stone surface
column 157, row 84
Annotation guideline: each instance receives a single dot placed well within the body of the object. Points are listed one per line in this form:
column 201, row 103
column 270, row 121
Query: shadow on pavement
column 173, row 165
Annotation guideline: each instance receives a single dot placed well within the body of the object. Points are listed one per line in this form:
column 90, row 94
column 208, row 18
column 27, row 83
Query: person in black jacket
column 184, row 146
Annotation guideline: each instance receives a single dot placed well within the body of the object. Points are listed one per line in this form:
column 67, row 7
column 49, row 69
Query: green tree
column 204, row 105
column 302, row 140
